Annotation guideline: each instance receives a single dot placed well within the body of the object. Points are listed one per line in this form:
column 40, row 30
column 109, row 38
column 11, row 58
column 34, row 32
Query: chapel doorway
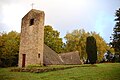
column 23, row 60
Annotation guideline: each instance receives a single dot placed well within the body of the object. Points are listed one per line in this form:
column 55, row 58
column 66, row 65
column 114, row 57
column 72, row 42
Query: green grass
column 108, row 71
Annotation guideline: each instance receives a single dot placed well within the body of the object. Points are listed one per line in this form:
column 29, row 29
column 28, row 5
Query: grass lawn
column 108, row 71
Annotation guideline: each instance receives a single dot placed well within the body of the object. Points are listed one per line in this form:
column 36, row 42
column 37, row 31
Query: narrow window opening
column 31, row 22
column 38, row 55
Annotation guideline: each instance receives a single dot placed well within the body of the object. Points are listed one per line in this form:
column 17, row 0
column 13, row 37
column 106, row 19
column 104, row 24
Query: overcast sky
column 63, row 15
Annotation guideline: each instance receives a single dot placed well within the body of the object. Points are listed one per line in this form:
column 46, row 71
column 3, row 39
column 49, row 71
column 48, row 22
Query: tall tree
column 102, row 46
column 91, row 49
column 116, row 33
column 52, row 39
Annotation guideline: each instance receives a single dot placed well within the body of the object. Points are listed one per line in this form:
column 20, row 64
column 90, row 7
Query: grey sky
column 63, row 15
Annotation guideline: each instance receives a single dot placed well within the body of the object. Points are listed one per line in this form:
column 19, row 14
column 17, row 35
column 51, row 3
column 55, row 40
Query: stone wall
column 32, row 38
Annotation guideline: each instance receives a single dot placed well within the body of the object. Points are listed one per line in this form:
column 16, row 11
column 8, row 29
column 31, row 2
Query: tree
column 52, row 39
column 1, row 43
column 76, row 41
column 102, row 46
column 116, row 33
column 91, row 49
column 9, row 49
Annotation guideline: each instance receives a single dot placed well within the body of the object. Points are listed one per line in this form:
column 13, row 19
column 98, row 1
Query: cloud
column 63, row 15
column 11, row 12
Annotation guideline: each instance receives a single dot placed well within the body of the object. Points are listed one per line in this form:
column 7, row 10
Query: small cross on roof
column 32, row 5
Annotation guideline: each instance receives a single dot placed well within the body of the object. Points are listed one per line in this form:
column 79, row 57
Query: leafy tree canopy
column 52, row 39
column 76, row 41
column 9, row 48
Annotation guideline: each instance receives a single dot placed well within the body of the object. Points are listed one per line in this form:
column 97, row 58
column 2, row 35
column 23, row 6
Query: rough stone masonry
column 32, row 38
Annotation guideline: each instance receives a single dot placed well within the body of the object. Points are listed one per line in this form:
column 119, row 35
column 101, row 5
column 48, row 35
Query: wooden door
column 23, row 60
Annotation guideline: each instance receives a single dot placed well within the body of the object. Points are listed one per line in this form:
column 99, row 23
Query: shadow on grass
column 39, row 70
column 89, row 65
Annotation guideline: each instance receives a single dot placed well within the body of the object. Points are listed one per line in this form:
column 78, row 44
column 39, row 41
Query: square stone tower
column 32, row 39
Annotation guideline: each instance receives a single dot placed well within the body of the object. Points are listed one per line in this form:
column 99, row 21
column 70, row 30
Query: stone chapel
column 32, row 49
